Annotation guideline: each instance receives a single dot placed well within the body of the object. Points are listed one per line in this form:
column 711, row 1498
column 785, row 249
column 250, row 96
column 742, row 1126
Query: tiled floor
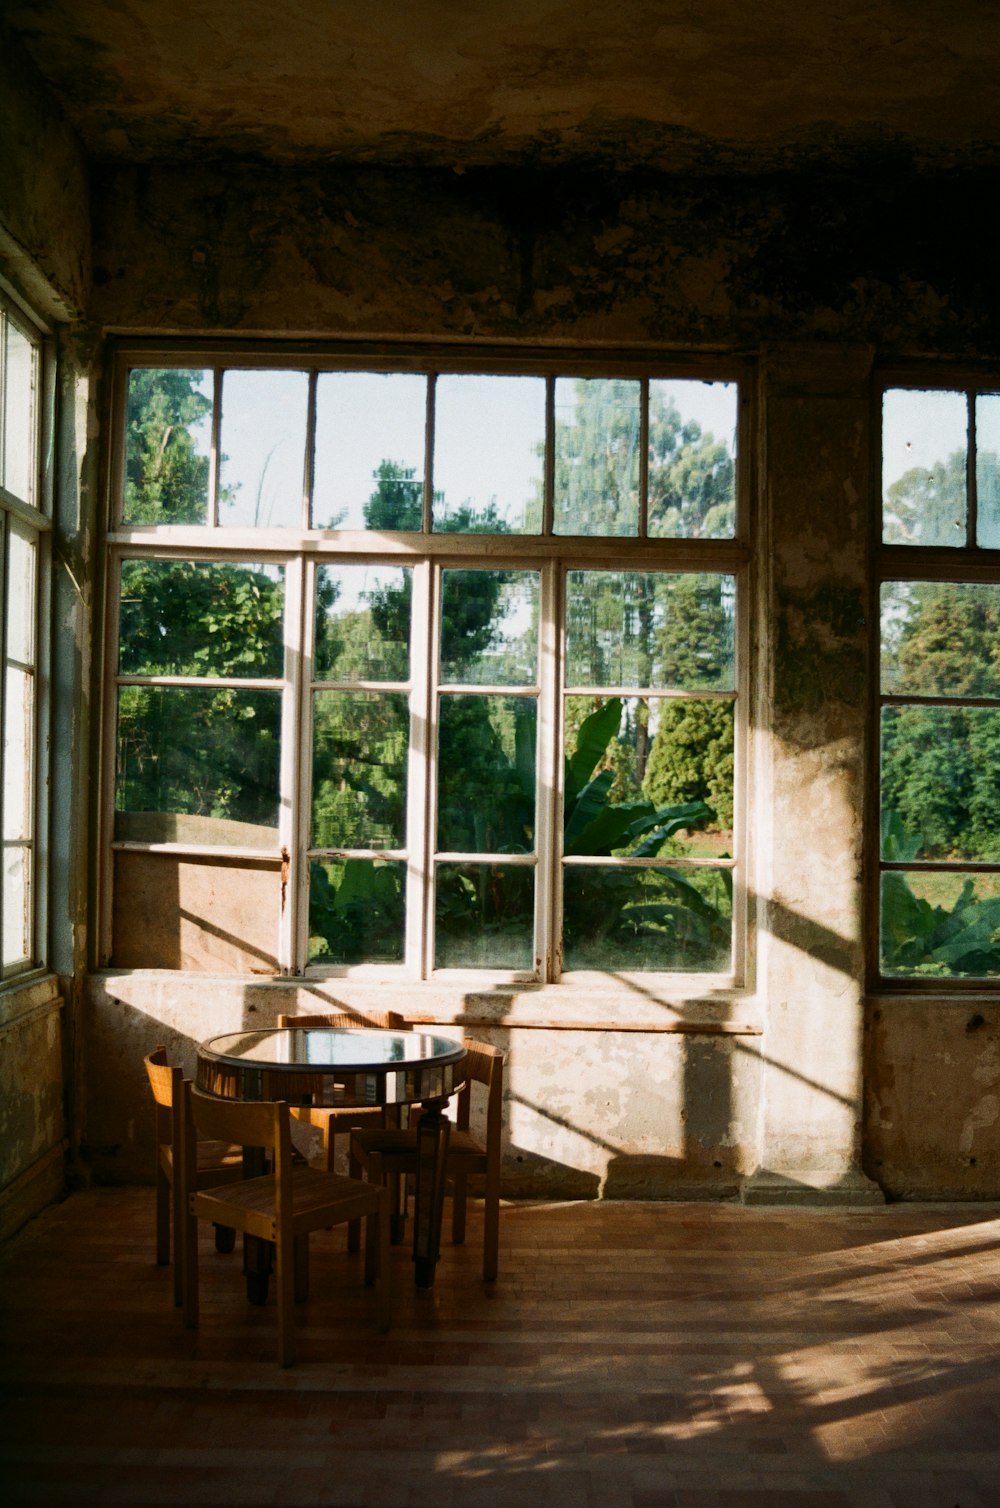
column 631, row 1356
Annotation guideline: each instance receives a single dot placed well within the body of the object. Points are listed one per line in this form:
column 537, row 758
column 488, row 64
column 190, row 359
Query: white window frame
column 967, row 562
column 429, row 553
column 23, row 511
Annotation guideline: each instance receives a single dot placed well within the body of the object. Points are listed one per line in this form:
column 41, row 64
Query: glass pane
column 17, row 938
column 486, row 774
column 626, row 628
column 988, row 471
column 211, row 756
column 484, row 917
column 18, row 750
column 489, row 454
column 190, row 617
column 597, row 456
column 22, row 556
column 357, row 911
column 940, row 638
column 647, row 919
column 648, row 778
column 263, row 444
column 168, row 446
column 489, row 628
column 360, row 741
column 944, row 926
column 924, row 458
column 370, row 429
column 940, row 783
column 19, row 453
column 692, row 459
column 362, row 623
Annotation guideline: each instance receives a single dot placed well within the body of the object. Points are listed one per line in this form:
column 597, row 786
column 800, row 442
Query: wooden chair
column 386, row 1153
column 216, row 1162
column 283, row 1207
column 342, row 1120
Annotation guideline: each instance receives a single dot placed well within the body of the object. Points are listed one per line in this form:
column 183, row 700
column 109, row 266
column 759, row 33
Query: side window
column 21, row 528
column 939, row 790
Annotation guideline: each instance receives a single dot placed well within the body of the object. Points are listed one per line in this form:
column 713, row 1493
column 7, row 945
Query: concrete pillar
column 810, row 743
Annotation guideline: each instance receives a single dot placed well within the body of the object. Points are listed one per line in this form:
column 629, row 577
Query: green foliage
column 166, row 480
column 692, row 757
column 925, row 940
column 356, row 912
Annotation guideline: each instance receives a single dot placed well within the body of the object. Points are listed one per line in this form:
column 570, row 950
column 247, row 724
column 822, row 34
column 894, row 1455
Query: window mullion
column 549, row 794
column 295, row 804
column 421, row 799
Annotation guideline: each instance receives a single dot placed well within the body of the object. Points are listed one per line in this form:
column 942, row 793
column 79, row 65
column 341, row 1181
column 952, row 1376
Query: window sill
column 611, row 1005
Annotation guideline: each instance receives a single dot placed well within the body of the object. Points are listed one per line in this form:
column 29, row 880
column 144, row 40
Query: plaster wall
column 44, row 191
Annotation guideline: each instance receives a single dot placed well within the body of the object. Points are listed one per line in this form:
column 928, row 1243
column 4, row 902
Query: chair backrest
column 483, row 1065
column 165, row 1082
column 340, row 1020
column 262, row 1123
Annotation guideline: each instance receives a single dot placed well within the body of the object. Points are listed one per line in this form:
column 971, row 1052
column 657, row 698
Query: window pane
column 597, row 456
column 206, row 754
column 356, row 911
column 625, row 628
column 692, row 459
column 489, row 448
column 362, row 623
column 484, row 917
column 17, row 939
column 489, row 628
column 662, row 919
column 369, row 471
column 22, row 598
column 940, row 783
column 988, row 470
column 19, row 415
column 940, row 925
column 940, row 638
column 168, row 446
column 648, row 778
column 924, row 458
column 18, row 750
column 263, row 444
column 359, row 769
column 486, row 774
column 189, row 617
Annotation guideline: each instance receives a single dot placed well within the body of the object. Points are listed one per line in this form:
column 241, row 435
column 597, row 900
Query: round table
column 344, row 1067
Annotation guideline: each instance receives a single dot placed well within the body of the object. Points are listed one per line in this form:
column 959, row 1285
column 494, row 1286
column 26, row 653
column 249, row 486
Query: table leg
column 258, row 1255
column 433, row 1130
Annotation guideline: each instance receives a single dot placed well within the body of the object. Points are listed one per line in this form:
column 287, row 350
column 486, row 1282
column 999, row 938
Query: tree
column 166, row 478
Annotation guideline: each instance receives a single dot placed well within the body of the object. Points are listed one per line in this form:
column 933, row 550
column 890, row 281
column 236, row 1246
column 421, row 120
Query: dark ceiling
column 718, row 85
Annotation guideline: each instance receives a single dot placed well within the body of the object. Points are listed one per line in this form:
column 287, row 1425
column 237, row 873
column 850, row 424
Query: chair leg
column 286, row 1263
column 354, row 1226
column 458, row 1202
column 301, row 1269
column 377, row 1262
column 491, row 1227
column 162, row 1218
column 187, row 1260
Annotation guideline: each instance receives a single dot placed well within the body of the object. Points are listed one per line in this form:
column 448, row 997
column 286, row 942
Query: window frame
column 965, row 564
column 30, row 516
column 298, row 549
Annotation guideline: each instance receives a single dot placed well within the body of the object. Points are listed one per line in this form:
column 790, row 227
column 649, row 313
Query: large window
column 22, row 528
column 940, row 684
column 422, row 671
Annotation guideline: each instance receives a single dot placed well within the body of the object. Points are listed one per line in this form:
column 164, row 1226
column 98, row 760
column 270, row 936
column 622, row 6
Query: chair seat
column 314, row 1194
column 400, row 1145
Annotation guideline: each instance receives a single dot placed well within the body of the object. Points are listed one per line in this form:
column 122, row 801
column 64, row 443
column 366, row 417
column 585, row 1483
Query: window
column 426, row 671
column 22, row 530
column 940, row 684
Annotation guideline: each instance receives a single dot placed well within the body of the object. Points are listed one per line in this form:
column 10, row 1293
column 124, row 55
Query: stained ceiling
column 718, row 84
